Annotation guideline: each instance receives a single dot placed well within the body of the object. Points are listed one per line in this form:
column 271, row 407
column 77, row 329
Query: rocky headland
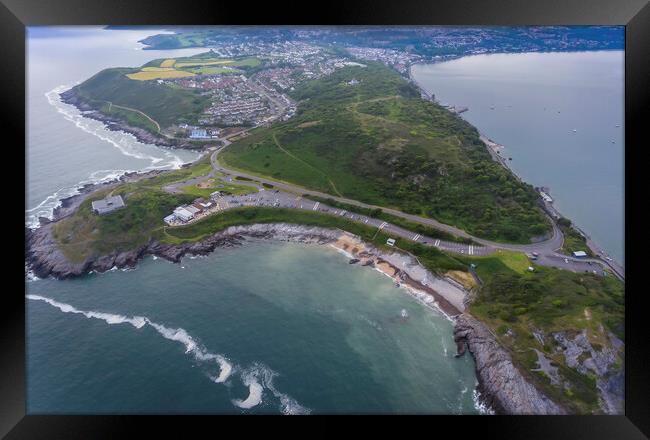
column 502, row 386
column 115, row 124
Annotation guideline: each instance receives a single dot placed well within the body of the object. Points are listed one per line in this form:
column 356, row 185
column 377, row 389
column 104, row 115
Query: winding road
column 547, row 250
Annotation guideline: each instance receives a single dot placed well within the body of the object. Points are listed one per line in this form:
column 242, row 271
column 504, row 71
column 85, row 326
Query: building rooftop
column 108, row 204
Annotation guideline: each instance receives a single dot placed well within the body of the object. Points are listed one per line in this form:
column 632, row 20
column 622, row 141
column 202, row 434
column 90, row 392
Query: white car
column 566, row 260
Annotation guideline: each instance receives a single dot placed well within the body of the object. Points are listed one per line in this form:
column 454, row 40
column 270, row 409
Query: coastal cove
column 365, row 346
column 559, row 116
column 303, row 272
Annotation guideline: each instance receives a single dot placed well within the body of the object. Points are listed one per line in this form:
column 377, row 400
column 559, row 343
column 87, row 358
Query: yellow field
column 157, row 69
column 203, row 63
column 168, row 63
column 160, row 74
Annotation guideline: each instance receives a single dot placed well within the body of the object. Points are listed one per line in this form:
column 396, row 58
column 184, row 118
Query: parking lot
column 280, row 199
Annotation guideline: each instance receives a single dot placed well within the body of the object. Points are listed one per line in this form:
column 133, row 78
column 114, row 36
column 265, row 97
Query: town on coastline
column 232, row 96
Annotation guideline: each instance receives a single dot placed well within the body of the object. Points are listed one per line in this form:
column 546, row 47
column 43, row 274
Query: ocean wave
column 109, row 318
column 30, row 276
column 257, row 377
column 481, row 406
column 255, row 390
column 126, row 143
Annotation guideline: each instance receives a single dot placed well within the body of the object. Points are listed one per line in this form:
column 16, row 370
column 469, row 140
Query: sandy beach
column 407, row 272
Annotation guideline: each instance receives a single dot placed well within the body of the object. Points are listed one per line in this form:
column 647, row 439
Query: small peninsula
column 344, row 151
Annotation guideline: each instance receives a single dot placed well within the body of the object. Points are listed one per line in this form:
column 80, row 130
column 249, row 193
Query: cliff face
column 500, row 382
column 45, row 259
column 115, row 124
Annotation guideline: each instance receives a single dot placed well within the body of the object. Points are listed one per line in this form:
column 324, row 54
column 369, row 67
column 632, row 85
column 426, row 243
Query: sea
column 268, row 327
column 66, row 150
column 265, row 328
column 560, row 117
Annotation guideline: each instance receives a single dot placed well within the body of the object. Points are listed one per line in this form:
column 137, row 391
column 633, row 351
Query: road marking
column 470, row 250
column 437, row 243
column 316, row 206
column 382, row 225
column 415, row 237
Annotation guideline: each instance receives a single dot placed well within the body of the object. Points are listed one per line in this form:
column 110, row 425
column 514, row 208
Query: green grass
column 379, row 143
column 573, row 240
column 205, row 192
column 132, row 118
column 547, row 300
column 511, row 298
column 211, row 70
column 398, row 221
column 84, row 234
column 432, row 258
column 166, row 105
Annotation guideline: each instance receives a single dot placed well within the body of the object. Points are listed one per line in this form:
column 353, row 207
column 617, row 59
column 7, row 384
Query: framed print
column 409, row 210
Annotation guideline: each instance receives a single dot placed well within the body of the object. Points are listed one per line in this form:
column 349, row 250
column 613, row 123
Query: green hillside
column 166, row 105
column 377, row 141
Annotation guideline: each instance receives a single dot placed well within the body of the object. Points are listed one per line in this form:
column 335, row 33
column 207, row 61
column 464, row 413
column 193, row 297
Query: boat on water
column 575, row 131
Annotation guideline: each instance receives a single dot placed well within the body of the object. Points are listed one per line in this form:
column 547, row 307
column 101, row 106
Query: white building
column 193, row 209
column 579, row 254
column 199, row 133
column 170, row 219
column 109, row 204
column 183, row 214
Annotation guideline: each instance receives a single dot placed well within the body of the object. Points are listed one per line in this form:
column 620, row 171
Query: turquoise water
column 538, row 100
column 293, row 322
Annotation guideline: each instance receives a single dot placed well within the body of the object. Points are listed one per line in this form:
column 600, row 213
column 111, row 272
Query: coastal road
column 547, row 249
column 281, row 199
column 553, row 243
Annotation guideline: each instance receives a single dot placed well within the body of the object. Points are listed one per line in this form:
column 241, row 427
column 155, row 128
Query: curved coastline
column 114, row 124
column 501, row 386
column 493, row 146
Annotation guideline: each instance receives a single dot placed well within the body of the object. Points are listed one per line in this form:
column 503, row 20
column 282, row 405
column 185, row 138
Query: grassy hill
column 516, row 304
column 526, row 310
column 376, row 141
column 166, row 105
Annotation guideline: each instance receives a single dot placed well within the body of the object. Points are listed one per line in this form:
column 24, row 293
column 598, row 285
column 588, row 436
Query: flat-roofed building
column 170, row 219
column 194, row 210
column 109, row 204
column 183, row 214
column 579, row 254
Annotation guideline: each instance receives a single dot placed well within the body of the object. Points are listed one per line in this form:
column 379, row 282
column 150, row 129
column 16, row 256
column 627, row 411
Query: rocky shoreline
column 114, row 124
column 500, row 382
column 501, row 385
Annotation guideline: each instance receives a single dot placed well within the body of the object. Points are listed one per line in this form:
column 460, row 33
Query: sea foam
column 257, row 377
column 126, row 143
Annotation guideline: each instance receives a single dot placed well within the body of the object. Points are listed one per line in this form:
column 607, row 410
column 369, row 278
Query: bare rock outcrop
column 44, row 257
column 503, row 386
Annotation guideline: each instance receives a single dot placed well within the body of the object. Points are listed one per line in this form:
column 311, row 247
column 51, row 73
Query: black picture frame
column 15, row 15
